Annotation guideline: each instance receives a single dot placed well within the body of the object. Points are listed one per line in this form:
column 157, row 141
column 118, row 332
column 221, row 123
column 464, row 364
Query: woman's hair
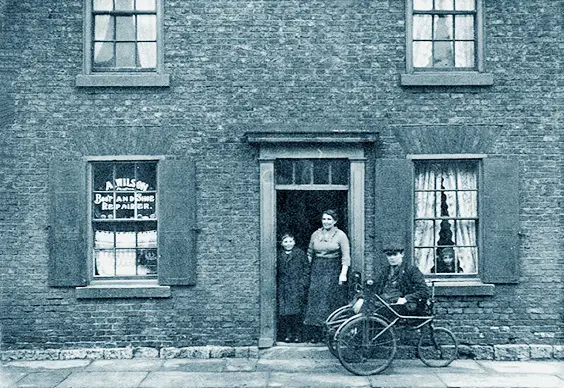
column 332, row 213
column 286, row 235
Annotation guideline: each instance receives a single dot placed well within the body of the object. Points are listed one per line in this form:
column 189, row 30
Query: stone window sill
column 463, row 288
column 466, row 78
column 111, row 289
column 123, row 80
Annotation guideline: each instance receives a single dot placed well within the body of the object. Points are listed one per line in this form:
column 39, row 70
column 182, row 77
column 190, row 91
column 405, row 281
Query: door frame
column 267, row 156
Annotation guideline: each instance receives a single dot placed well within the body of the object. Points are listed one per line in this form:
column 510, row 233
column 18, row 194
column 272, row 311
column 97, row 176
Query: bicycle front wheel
column 437, row 346
column 366, row 345
column 332, row 324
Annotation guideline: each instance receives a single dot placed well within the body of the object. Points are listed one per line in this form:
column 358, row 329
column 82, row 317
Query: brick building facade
column 235, row 90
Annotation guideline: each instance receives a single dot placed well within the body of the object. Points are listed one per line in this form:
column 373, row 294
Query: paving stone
column 39, row 365
column 240, row 365
column 418, row 368
column 187, row 365
column 303, row 365
column 427, row 380
column 43, row 379
column 9, row 379
column 519, row 367
column 103, row 379
column 125, row 365
column 205, row 379
column 501, row 380
column 325, row 380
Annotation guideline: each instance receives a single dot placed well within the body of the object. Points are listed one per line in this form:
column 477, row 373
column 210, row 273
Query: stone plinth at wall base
column 512, row 352
column 195, row 352
column 558, row 352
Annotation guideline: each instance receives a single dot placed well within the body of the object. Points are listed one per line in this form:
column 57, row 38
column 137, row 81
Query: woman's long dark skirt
column 325, row 293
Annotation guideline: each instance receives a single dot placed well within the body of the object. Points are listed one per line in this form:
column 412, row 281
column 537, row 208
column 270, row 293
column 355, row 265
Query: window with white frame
column 124, row 218
column 124, row 35
column 445, row 35
column 446, row 217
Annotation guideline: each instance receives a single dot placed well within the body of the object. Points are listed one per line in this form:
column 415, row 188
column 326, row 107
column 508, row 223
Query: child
column 293, row 283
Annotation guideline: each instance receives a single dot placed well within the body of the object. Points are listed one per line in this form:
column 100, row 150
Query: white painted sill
column 460, row 78
column 123, row 80
column 113, row 289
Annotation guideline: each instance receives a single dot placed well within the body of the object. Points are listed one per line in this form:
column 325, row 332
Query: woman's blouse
column 330, row 244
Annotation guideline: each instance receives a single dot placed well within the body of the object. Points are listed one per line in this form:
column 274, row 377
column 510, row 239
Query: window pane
column 467, row 260
column 125, row 172
column 444, row 5
column 146, row 205
column 125, row 54
column 424, row 232
column 283, row 172
column 125, row 238
column 422, row 54
column 145, row 5
column 467, row 175
column 103, row 206
column 146, row 175
column 103, row 54
column 126, row 260
column 464, row 27
column 124, row 5
column 147, row 236
column 443, row 27
column 425, row 204
column 422, row 5
column 422, row 29
column 104, row 263
column 424, row 259
column 340, row 172
column 103, row 27
column 464, row 54
column 146, row 261
column 125, row 28
column 147, row 55
column 447, row 203
column 304, row 169
column 468, row 203
column 465, row 5
column 103, row 239
column 103, row 176
column 147, row 27
column 321, row 172
column 103, row 5
column 443, row 54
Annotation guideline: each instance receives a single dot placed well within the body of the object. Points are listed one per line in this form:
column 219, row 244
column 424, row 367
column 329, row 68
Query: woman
column 329, row 254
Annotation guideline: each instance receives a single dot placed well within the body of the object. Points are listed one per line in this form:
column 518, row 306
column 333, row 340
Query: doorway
column 298, row 212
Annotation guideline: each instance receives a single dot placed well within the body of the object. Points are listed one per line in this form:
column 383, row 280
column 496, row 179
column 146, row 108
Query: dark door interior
column 299, row 212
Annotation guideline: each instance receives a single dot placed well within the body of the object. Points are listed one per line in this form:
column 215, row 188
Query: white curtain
column 124, row 261
column 435, row 179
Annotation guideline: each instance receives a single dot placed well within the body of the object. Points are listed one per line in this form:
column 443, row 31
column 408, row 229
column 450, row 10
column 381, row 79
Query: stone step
column 295, row 351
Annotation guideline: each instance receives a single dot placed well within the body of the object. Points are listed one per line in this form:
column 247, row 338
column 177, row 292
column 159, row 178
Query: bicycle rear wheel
column 437, row 346
column 366, row 345
column 332, row 324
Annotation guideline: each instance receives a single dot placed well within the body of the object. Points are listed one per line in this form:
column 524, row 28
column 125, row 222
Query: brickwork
column 240, row 64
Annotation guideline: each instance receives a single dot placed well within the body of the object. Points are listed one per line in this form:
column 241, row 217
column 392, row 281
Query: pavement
column 276, row 367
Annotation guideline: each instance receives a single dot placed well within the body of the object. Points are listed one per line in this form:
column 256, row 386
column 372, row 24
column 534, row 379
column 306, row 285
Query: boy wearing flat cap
column 402, row 284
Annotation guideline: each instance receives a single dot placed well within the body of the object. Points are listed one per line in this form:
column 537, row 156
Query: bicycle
column 342, row 314
column 366, row 343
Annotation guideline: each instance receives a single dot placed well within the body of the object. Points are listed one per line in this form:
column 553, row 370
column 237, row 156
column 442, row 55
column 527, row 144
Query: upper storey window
column 445, row 43
column 444, row 34
column 124, row 35
column 123, row 44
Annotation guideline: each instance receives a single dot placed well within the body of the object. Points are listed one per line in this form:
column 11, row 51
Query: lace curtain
column 446, row 192
column 123, row 260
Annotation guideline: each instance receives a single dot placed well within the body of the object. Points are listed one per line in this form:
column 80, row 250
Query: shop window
column 123, row 43
column 446, row 37
column 114, row 219
column 124, row 218
column 445, row 240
